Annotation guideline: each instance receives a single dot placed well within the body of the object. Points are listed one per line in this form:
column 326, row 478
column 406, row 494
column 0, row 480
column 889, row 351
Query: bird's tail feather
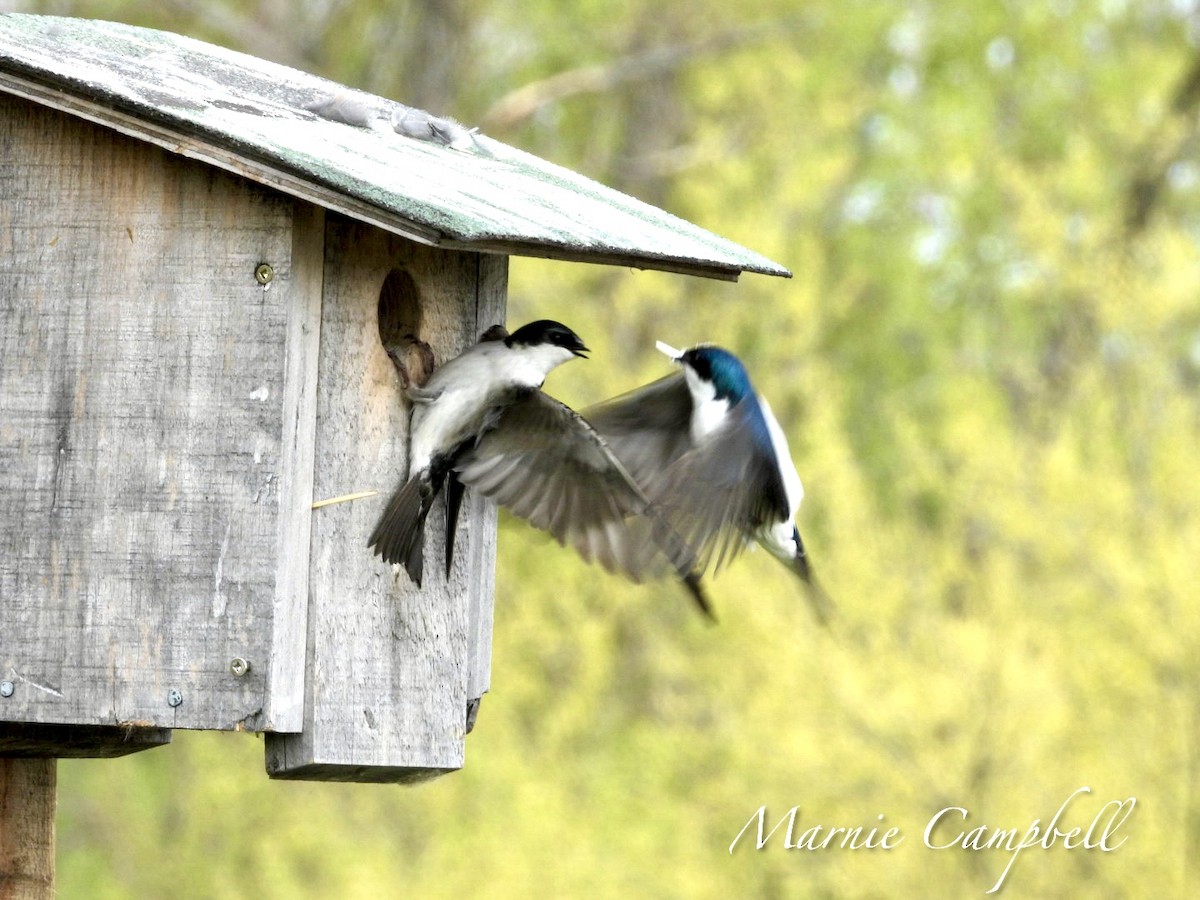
column 692, row 582
column 820, row 601
column 399, row 536
column 681, row 557
column 454, row 495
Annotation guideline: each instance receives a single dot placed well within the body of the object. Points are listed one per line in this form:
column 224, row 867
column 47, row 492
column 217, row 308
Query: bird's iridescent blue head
column 547, row 331
column 719, row 367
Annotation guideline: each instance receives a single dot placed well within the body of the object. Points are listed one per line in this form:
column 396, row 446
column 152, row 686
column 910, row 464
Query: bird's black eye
column 699, row 362
column 545, row 331
column 564, row 337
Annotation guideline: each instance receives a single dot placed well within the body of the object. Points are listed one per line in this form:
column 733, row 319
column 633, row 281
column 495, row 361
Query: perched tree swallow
column 706, row 449
column 481, row 420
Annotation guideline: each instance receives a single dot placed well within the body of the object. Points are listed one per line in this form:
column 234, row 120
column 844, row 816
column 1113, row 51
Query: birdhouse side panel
column 141, row 375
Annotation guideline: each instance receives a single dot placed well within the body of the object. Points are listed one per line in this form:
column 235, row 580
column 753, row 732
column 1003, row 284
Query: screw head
column 6, row 688
column 264, row 273
column 174, row 698
column 239, row 666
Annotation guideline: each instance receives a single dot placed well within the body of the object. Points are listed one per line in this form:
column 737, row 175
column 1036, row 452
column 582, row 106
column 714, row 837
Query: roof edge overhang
column 193, row 143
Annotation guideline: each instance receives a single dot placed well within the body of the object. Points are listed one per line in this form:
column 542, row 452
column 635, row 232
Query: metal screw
column 6, row 688
column 263, row 274
column 174, row 698
column 239, row 666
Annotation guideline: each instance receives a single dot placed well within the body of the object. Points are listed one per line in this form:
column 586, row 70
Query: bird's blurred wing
column 648, row 428
column 716, row 494
column 546, row 464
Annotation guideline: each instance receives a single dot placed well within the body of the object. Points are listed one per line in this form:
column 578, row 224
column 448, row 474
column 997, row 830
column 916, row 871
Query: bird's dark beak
column 581, row 351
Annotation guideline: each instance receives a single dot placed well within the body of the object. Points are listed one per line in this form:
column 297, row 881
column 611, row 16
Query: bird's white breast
column 708, row 411
column 465, row 388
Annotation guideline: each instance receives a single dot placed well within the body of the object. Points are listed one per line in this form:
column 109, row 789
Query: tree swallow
column 482, row 420
column 707, row 450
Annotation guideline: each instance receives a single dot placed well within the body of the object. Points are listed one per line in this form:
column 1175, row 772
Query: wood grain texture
column 285, row 706
column 142, row 384
column 479, row 514
column 27, row 805
column 388, row 663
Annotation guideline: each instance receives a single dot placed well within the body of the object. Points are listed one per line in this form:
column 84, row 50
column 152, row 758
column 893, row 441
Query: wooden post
column 27, row 802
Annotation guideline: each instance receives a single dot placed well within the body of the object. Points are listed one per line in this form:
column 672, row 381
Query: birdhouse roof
column 370, row 158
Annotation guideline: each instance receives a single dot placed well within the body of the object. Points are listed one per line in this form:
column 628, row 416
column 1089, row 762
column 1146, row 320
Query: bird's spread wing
column 647, row 428
column 722, row 490
column 714, row 494
column 546, row 464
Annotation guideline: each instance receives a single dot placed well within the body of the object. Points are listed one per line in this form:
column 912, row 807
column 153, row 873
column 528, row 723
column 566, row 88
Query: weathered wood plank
column 388, row 663
column 478, row 513
column 141, row 391
column 196, row 147
column 285, row 708
column 79, row 741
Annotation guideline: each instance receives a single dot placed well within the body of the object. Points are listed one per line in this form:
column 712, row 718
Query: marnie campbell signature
column 947, row 829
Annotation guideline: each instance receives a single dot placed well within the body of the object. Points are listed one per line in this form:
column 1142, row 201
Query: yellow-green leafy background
column 987, row 364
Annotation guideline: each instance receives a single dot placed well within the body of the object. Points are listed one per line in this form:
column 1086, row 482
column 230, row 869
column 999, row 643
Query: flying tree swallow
column 707, row 450
column 482, row 421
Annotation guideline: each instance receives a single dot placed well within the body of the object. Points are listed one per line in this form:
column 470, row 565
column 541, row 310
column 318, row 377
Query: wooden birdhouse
column 205, row 260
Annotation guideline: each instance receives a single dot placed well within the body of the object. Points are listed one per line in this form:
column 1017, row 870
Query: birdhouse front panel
column 391, row 666
column 147, row 313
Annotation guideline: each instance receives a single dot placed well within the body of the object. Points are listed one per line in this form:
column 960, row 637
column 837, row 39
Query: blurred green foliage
column 988, row 366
